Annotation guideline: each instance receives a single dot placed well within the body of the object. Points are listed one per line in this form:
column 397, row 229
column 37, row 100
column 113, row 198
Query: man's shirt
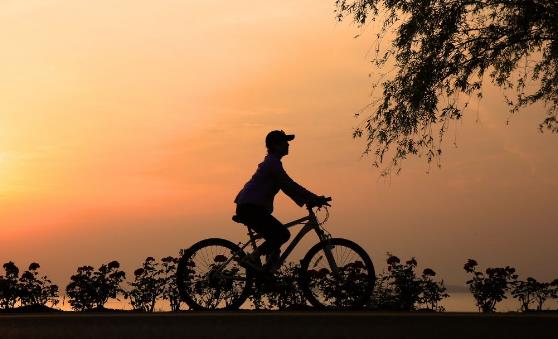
column 270, row 177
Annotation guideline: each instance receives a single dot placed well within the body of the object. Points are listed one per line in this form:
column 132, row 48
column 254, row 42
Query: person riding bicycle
column 254, row 203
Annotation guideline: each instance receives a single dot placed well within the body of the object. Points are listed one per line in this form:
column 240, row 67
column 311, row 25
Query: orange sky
column 127, row 128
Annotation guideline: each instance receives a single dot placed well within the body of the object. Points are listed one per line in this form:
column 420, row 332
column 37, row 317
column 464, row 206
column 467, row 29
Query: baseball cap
column 277, row 136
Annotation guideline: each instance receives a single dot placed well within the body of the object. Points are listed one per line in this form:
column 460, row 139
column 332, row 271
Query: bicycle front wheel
column 210, row 278
column 337, row 274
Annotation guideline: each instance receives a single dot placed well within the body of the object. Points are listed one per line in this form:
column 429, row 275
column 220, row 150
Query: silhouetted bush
column 546, row 290
column 432, row 292
column 280, row 292
column 36, row 290
column 531, row 291
column 155, row 280
column 91, row 289
column 383, row 297
column 147, row 286
column 407, row 286
column 29, row 290
column 399, row 288
column 170, row 289
column 524, row 291
column 9, row 287
column 490, row 287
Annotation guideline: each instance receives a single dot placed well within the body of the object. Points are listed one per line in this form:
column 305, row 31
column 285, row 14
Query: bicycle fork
column 331, row 260
column 328, row 252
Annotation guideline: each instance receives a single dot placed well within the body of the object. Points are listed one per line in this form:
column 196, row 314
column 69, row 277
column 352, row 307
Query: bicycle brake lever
column 324, row 206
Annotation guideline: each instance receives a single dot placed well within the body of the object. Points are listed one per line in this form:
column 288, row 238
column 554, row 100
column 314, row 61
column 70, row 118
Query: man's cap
column 277, row 136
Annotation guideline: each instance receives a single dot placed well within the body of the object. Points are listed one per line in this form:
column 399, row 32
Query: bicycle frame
column 310, row 223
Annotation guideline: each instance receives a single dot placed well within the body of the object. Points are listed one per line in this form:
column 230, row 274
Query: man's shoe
column 251, row 262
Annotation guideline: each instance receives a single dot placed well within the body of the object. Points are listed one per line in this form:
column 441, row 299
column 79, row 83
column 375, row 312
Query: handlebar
column 324, row 202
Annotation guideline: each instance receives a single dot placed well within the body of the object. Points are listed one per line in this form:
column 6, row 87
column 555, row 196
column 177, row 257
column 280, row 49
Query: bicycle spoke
column 341, row 280
column 213, row 279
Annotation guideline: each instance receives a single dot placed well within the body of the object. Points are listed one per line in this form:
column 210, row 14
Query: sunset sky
column 128, row 127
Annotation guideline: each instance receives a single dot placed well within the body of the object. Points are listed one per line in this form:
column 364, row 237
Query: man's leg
column 275, row 235
column 272, row 230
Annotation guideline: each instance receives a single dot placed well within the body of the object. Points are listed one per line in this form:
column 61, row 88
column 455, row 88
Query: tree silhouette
column 490, row 287
column 91, row 289
column 440, row 53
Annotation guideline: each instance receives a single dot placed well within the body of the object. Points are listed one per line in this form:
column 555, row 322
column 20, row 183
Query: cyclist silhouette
column 216, row 273
column 254, row 203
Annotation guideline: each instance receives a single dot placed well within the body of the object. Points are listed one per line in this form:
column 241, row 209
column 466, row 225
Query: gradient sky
column 128, row 127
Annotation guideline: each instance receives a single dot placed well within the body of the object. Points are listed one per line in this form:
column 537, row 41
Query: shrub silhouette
column 29, row 289
column 525, row 291
column 147, row 286
column 152, row 281
column 531, row 291
column 490, row 287
column 383, row 297
column 9, row 286
column 432, row 292
column 170, row 289
column 344, row 295
column 36, row 290
column 82, row 289
column 399, row 288
column 407, row 286
column 281, row 292
column 91, row 289
column 546, row 290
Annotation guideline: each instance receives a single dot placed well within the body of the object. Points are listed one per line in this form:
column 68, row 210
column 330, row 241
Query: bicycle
column 209, row 276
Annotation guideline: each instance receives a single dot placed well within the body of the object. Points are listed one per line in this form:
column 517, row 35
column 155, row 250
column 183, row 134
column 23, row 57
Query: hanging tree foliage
column 441, row 52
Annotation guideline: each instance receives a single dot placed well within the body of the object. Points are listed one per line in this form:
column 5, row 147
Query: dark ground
column 279, row 325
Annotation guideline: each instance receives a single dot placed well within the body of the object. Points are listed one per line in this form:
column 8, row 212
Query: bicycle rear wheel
column 210, row 278
column 343, row 281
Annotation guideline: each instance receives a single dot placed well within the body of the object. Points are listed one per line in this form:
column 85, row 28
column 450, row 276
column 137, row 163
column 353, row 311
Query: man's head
column 277, row 142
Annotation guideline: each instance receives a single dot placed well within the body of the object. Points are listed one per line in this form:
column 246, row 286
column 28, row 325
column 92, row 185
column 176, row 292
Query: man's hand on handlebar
column 319, row 201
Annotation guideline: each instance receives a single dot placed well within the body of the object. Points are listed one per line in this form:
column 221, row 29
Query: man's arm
column 299, row 194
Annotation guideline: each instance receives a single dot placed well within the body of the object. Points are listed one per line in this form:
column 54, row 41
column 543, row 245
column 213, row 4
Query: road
column 279, row 325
